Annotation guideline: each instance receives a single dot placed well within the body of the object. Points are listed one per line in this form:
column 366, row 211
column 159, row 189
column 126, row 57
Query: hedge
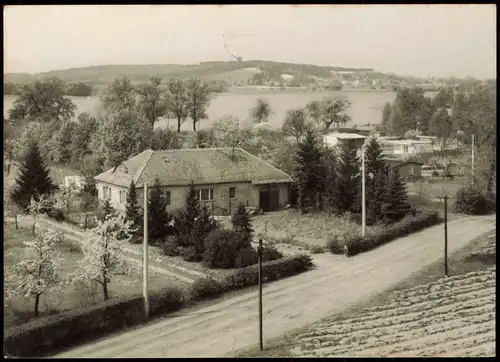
column 50, row 335
column 356, row 244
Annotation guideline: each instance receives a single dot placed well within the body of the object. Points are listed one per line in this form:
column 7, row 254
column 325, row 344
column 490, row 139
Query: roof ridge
column 193, row 149
column 139, row 173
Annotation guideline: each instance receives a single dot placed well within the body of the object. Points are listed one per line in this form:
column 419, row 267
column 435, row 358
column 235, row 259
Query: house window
column 123, row 196
column 106, row 192
column 206, row 194
column 168, row 197
column 232, row 192
column 405, row 148
column 410, row 170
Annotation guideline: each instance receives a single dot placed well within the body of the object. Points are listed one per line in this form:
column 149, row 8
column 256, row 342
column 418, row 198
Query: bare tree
column 261, row 111
column 198, row 95
column 176, row 100
column 295, row 124
column 329, row 111
column 151, row 100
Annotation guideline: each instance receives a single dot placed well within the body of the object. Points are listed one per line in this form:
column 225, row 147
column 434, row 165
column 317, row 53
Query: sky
column 418, row 40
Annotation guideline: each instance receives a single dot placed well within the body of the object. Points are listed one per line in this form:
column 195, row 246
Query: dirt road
column 336, row 283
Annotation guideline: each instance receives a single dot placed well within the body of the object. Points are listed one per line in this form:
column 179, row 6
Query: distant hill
column 233, row 70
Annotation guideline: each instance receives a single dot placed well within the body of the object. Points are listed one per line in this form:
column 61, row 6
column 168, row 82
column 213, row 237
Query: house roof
column 409, row 142
column 200, row 165
column 394, row 162
column 345, row 136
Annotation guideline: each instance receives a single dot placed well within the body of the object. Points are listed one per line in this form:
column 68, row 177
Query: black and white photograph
column 249, row 180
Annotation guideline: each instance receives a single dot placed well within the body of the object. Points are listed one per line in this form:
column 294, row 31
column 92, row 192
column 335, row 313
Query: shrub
column 270, row 253
column 406, row 226
column 471, row 201
column 206, row 288
column 49, row 335
column 272, row 270
column 56, row 214
column 246, row 257
column 166, row 300
column 317, row 249
column 221, row 248
column 189, row 254
column 170, row 245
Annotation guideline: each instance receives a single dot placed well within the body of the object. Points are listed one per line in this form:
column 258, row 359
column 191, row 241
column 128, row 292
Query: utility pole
column 445, row 198
column 363, row 196
column 145, row 252
column 261, row 342
column 472, row 166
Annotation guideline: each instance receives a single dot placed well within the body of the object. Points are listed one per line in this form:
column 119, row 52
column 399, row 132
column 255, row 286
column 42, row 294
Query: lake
column 366, row 105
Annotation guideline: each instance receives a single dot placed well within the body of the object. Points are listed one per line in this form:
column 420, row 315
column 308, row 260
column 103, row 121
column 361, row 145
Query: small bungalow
column 408, row 170
column 223, row 177
column 339, row 139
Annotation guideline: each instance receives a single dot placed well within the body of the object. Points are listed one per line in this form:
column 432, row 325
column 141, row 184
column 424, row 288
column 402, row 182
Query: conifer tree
column 374, row 180
column 192, row 209
column 241, row 222
column 158, row 217
column 348, row 180
column 33, row 180
column 395, row 205
column 330, row 164
column 132, row 210
column 309, row 172
column 203, row 226
column 107, row 209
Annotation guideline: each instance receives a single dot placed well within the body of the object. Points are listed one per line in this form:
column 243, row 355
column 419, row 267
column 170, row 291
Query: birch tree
column 35, row 209
column 39, row 271
column 103, row 254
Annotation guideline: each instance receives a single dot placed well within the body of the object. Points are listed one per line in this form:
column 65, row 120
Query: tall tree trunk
column 194, row 124
column 105, row 290
column 37, row 303
column 15, row 219
column 178, row 124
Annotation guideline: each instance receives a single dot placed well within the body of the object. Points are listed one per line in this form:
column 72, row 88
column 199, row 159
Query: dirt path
column 336, row 283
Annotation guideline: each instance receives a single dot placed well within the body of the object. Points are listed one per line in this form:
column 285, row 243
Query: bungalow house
column 223, row 177
column 408, row 170
column 340, row 138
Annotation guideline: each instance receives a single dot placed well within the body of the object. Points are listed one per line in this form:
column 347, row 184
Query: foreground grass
column 19, row 311
column 478, row 255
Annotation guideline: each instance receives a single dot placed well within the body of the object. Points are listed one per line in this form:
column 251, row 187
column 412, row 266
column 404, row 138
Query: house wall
column 115, row 194
column 222, row 204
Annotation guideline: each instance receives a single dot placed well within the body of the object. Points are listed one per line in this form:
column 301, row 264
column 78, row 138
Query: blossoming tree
column 39, row 271
column 103, row 254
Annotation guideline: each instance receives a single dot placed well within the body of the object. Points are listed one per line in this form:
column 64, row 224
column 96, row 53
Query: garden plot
column 451, row 317
column 302, row 230
column 73, row 296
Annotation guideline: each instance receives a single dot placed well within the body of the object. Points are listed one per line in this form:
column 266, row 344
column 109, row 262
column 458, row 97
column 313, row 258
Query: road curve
column 336, row 283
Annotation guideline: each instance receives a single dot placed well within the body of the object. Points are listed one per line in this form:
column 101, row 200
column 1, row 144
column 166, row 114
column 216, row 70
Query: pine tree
column 374, row 180
column 33, row 179
column 395, row 205
column 203, row 226
column 348, row 180
column 330, row 162
column 375, row 198
column 158, row 217
column 192, row 210
column 309, row 172
column 241, row 222
column 107, row 209
column 132, row 210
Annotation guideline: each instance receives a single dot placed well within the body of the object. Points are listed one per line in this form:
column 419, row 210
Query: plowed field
column 451, row 317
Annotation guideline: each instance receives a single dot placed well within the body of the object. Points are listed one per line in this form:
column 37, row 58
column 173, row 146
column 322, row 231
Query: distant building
column 408, row 170
column 76, row 181
column 340, row 138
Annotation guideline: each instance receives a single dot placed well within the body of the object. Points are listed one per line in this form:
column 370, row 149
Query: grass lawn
column 306, row 230
column 480, row 254
column 19, row 311
column 436, row 188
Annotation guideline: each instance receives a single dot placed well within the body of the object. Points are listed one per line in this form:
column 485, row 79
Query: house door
column 269, row 199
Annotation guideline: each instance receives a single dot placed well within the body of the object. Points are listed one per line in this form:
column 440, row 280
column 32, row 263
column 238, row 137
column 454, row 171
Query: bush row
column 471, row 201
column 356, row 244
column 49, row 335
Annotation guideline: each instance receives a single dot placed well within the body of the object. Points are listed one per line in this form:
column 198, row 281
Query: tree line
column 448, row 115
column 77, row 89
column 329, row 179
